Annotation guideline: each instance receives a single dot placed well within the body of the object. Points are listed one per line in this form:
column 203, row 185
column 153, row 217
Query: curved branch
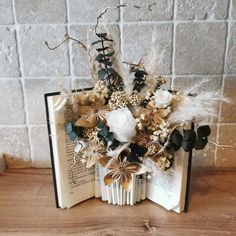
column 149, row 8
column 67, row 38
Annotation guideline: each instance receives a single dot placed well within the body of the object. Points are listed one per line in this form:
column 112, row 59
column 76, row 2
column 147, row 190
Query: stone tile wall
column 196, row 40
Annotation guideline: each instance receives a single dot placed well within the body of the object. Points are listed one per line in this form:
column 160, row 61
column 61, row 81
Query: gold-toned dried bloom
column 90, row 132
column 120, row 169
column 161, row 133
column 161, row 80
column 100, row 90
column 135, row 99
column 93, row 152
column 118, row 99
column 164, row 161
column 143, row 139
column 90, row 115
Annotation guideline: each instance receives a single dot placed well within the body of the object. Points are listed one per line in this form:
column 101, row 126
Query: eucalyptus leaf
column 140, row 73
column 203, row 131
column 173, row 147
column 69, row 129
column 102, row 49
column 110, row 54
column 189, row 134
column 188, row 140
column 102, row 35
column 96, row 42
column 115, row 144
column 106, row 39
column 188, row 145
column 99, row 57
column 104, row 60
column 102, row 74
column 177, row 137
column 200, row 143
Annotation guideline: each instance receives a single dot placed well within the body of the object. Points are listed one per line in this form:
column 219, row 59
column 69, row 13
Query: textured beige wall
column 196, row 40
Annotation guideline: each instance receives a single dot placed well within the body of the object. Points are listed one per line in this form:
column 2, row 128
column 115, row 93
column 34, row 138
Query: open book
column 74, row 185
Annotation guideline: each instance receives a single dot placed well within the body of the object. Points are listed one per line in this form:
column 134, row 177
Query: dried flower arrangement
column 127, row 118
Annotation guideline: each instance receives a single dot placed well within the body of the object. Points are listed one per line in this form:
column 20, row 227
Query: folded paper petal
column 103, row 161
column 83, row 122
column 108, row 179
column 85, row 110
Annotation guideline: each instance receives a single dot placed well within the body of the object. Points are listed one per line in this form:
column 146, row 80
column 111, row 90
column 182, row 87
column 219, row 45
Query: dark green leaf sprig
column 136, row 153
column 139, row 81
column 107, row 72
column 106, row 136
column 190, row 139
column 73, row 131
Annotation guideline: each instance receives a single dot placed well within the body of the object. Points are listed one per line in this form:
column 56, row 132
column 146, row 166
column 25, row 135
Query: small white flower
column 162, row 98
column 122, row 124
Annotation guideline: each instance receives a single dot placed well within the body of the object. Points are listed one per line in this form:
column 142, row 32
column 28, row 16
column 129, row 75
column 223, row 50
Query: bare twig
column 139, row 65
column 149, row 8
column 67, row 38
column 131, row 64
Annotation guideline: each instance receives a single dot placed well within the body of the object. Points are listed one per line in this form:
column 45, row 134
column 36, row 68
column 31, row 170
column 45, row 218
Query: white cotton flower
column 162, row 98
column 122, row 124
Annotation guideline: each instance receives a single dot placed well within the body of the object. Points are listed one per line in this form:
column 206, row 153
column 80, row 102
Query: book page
column 70, row 190
column 167, row 188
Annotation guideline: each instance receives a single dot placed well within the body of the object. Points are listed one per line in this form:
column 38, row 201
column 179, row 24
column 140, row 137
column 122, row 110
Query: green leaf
column 104, row 60
column 69, row 129
column 96, row 42
column 187, row 145
column 103, row 132
column 109, row 136
column 188, row 140
column 200, row 143
column 102, row 35
column 99, row 57
column 102, row 74
column 177, row 137
column 79, row 131
column 189, row 134
column 110, row 54
column 102, row 49
column 115, row 144
column 173, row 147
column 106, row 39
column 203, row 131
column 140, row 73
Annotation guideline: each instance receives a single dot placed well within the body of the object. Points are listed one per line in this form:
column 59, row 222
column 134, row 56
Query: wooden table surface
column 27, row 208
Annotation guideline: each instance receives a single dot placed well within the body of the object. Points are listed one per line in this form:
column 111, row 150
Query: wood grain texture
column 27, row 208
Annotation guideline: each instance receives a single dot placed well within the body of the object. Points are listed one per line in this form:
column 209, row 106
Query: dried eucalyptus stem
column 67, row 38
column 149, row 8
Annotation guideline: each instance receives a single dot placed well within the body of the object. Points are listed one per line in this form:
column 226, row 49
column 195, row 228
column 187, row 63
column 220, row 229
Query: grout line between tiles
column 223, row 79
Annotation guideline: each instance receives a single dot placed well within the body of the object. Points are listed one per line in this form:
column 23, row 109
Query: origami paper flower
column 120, row 169
column 93, row 152
column 90, row 115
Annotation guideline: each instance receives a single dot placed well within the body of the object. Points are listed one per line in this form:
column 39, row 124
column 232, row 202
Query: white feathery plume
column 150, row 58
column 200, row 106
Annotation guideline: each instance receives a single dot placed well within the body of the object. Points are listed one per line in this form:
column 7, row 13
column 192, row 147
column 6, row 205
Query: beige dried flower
column 93, row 152
column 120, row 169
column 118, row 99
